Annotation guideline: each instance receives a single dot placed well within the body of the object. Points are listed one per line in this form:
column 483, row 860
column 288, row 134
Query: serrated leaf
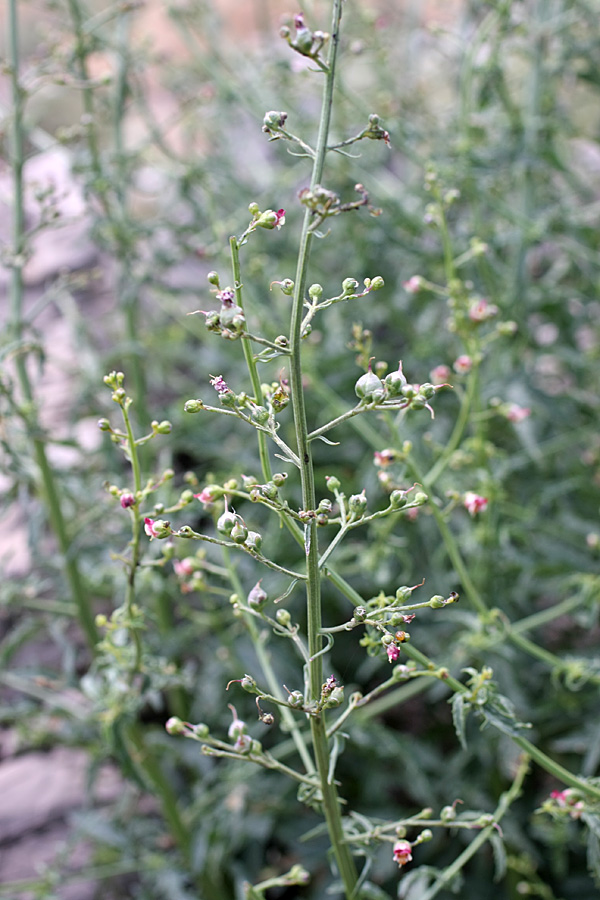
column 460, row 708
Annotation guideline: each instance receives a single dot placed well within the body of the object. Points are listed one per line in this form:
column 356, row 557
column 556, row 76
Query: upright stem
column 331, row 806
column 48, row 483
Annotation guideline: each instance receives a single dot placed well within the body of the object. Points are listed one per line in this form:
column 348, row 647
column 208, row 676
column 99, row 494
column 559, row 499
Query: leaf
column 460, row 708
column 593, row 845
column 499, row 851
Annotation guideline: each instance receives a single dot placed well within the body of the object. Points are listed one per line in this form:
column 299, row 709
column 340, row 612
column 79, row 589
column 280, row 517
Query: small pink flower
column 568, row 800
column 474, row 503
column 280, row 218
column 463, row 364
column 157, row 528
column 385, row 457
column 149, row 527
column 516, row 413
column 481, row 311
column 402, row 852
column 209, row 494
column 440, row 374
column 127, row 500
column 219, row 384
column 413, row 285
column 393, row 652
column 185, row 566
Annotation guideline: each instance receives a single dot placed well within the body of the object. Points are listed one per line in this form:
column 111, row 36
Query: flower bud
column 175, row 726
column 333, row 483
column 193, row 406
column 420, row 498
column 164, row 427
column 377, row 283
column 257, row 596
column 403, row 594
column 213, row 278
column 395, row 381
column 398, row 499
column 357, row 504
column 260, row 414
column 370, row 387
column 296, row 699
column 448, row 814
column 239, row 532
column 437, row 602
column 349, row 285
column 273, row 120
column 104, row 425
column 335, row 698
column 283, row 617
column 315, row 291
column 225, row 522
column 254, row 541
column 279, row 478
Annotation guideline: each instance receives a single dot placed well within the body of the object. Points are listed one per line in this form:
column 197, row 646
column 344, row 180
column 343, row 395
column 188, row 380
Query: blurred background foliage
column 158, row 109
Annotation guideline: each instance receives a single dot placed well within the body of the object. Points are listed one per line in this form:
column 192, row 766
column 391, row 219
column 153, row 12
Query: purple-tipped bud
column 257, row 596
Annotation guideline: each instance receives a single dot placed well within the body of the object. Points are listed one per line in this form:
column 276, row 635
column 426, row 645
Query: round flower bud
column 269, row 490
column 377, row 283
column 296, row 699
column 387, row 639
column 315, row 291
column 283, row 617
column 101, row 620
column 437, row 602
column 201, row 730
column 225, row 522
column 403, row 594
column 248, row 684
column 420, row 498
column 395, row 381
column 213, row 278
column 426, row 835
column 279, row 478
column 254, row 540
column 349, row 285
column 193, row 406
column 401, row 673
column 360, row 613
column 103, row 424
column 257, row 596
column 370, row 387
column 239, row 532
column 448, row 814
column 175, row 726
column 260, row 414
column 333, row 483
column 357, row 503
column 335, row 698
column 398, row 499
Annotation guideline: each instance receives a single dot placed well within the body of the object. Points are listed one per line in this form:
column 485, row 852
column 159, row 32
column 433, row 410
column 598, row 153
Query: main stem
column 331, row 805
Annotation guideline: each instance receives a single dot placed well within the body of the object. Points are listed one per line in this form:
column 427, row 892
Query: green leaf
column 460, row 708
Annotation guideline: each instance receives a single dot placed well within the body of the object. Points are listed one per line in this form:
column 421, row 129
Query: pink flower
column 516, row 413
column 569, row 800
column 185, row 566
column 402, row 852
column 413, row 285
column 280, row 218
column 156, row 528
column 393, row 652
column 481, row 310
column 463, row 364
column 127, row 500
column 209, row 494
column 384, row 457
column 440, row 374
column 219, row 384
column 474, row 503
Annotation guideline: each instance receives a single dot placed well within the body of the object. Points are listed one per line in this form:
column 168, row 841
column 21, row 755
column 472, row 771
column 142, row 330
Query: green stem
column 136, row 525
column 331, row 807
column 505, row 802
column 534, row 752
column 49, row 486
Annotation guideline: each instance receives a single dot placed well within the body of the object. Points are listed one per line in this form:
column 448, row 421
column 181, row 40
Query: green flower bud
column 201, row 730
column 193, row 406
column 403, row 594
column 225, row 522
column 437, row 602
column 175, row 726
column 103, row 424
column 279, row 478
column 260, row 414
column 360, row 613
column 239, row 532
column 164, row 427
column 335, row 698
column 315, row 291
column 254, row 541
column 357, row 503
column 377, row 283
column 349, row 285
column 254, row 208
column 448, row 814
column 213, row 278
column 296, row 699
column 420, row 498
column 370, row 388
column 398, row 499
column 283, row 617
column 333, row 483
